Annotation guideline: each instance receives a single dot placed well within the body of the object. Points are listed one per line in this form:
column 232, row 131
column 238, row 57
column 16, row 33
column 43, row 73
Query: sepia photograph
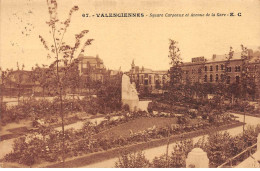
column 130, row 84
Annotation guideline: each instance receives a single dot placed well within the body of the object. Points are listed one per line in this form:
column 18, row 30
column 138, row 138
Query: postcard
column 130, row 84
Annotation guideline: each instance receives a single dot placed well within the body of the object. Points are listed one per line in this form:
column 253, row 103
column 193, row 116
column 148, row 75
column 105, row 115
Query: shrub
column 183, row 119
column 160, row 162
column 132, row 160
column 126, row 107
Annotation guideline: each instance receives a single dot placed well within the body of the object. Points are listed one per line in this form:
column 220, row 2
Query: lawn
column 137, row 125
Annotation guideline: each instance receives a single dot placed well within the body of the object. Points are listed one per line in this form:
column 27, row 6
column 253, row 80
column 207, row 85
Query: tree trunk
column 18, row 96
column 62, row 126
column 167, row 151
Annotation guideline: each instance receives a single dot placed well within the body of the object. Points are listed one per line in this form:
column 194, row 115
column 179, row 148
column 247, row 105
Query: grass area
column 137, row 125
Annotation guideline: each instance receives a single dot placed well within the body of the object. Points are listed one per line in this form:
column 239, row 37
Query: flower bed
column 79, row 142
column 49, row 110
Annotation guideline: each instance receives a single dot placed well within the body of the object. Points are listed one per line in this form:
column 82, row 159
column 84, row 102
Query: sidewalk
column 250, row 162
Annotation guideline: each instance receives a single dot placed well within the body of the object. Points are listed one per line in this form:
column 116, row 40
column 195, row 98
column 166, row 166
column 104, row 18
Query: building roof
column 253, row 57
column 143, row 70
column 25, row 77
column 215, row 58
column 90, row 59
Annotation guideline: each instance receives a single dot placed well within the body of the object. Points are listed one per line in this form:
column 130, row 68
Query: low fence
column 247, row 152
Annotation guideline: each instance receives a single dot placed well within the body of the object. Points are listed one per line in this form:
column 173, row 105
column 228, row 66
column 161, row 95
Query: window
column 237, row 79
column 216, row 77
column 205, row 78
column 150, row 79
column 211, row 68
column 238, row 68
column 205, row 68
column 216, row 67
column 228, row 79
column 199, row 70
column 211, row 78
column 222, row 77
column 222, row 67
column 228, row 69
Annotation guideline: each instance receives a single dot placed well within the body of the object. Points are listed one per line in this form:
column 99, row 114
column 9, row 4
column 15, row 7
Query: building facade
column 91, row 68
column 216, row 69
column 147, row 80
column 200, row 70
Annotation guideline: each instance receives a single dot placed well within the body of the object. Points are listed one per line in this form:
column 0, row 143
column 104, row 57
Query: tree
column 218, row 147
column 73, row 78
column 176, row 62
column 62, row 53
column 3, row 80
column 175, row 71
column 109, row 94
column 19, row 82
column 45, row 77
column 227, row 69
column 244, row 74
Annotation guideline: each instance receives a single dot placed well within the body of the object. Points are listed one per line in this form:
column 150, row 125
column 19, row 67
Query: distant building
column 18, row 81
column 147, row 80
column 91, row 68
column 200, row 70
column 213, row 70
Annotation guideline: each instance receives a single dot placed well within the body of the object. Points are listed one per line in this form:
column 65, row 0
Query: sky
column 120, row 40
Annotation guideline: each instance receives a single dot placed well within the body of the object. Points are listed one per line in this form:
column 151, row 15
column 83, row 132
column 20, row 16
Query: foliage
column 45, row 109
column 221, row 146
column 84, row 141
column 175, row 160
column 183, row 120
column 62, row 53
column 132, row 160
column 109, row 95
column 218, row 148
column 176, row 61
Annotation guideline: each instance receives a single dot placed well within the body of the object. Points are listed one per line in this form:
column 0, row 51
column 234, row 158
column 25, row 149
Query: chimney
column 214, row 56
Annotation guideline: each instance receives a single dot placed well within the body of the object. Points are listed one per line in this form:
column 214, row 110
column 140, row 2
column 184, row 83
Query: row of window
column 88, row 65
column 228, row 69
column 220, row 79
column 149, row 81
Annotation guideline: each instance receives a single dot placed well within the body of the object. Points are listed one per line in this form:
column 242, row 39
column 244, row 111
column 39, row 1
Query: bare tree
column 62, row 53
